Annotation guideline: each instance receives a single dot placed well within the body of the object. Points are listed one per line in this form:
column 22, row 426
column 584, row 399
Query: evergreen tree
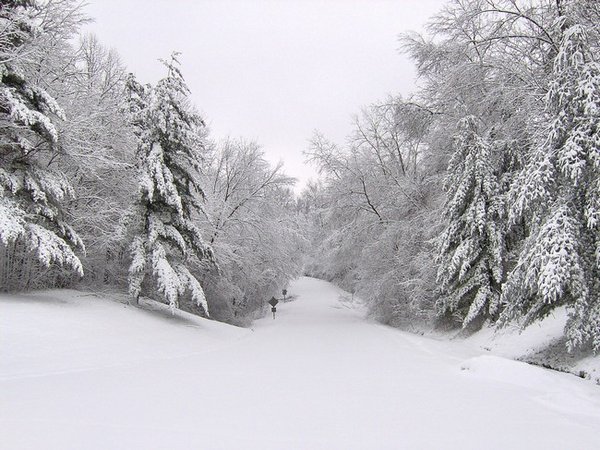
column 170, row 141
column 470, row 249
column 32, row 191
column 558, row 193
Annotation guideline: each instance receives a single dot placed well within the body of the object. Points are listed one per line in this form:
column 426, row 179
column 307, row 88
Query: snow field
column 81, row 372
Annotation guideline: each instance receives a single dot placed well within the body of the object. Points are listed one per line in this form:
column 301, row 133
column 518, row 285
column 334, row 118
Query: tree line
column 477, row 199
column 109, row 183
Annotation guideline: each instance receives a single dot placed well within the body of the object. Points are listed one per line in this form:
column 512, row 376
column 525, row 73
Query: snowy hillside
column 77, row 371
column 542, row 343
column 65, row 331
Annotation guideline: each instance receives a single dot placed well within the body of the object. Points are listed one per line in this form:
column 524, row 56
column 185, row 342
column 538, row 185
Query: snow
column 542, row 342
column 79, row 371
column 512, row 342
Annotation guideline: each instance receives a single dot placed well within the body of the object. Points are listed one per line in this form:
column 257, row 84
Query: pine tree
column 470, row 249
column 31, row 190
column 558, row 193
column 170, row 143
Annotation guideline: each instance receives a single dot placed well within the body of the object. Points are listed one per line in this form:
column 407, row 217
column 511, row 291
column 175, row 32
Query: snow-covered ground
column 79, row 372
column 542, row 343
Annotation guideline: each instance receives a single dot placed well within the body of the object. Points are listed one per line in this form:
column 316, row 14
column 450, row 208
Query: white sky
column 270, row 70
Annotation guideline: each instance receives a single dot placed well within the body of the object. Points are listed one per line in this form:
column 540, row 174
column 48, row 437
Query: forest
column 474, row 201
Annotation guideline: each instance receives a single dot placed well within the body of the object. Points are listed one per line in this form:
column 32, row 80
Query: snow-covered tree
column 100, row 159
column 32, row 190
column 256, row 238
column 372, row 215
column 558, row 194
column 171, row 141
column 470, row 249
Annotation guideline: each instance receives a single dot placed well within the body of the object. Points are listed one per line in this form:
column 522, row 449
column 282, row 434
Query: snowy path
column 317, row 377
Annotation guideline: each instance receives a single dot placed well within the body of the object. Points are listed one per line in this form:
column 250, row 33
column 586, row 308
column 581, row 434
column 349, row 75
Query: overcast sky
column 270, row 70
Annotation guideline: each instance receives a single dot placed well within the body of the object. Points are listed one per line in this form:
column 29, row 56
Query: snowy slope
column 541, row 343
column 64, row 331
column 78, row 372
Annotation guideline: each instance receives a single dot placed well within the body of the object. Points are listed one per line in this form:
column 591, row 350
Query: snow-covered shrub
column 397, row 275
